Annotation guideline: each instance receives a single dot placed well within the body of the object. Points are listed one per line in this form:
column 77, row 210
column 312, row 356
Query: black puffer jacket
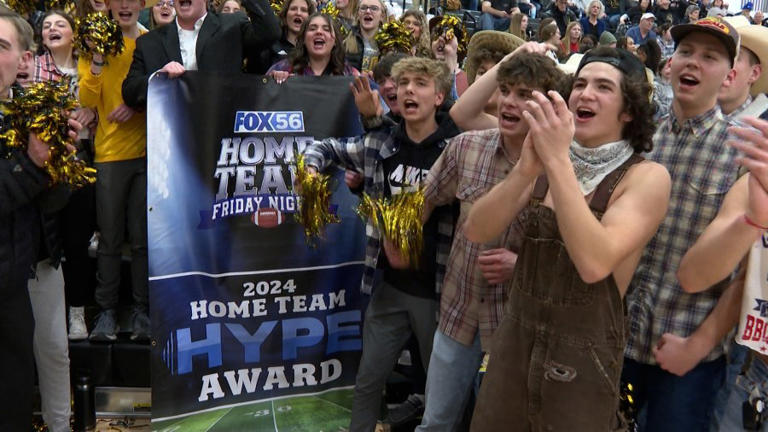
column 21, row 182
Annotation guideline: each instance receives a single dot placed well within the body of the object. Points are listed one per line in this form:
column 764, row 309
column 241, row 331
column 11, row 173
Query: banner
column 753, row 321
column 252, row 328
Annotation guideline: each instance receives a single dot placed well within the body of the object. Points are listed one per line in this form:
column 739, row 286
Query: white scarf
column 593, row 164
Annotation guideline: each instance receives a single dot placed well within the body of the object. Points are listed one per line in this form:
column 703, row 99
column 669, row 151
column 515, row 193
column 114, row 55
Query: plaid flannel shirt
column 366, row 154
column 471, row 165
column 46, row 70
column 703, row 169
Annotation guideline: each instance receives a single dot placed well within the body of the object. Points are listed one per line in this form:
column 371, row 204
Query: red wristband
column 752, row 223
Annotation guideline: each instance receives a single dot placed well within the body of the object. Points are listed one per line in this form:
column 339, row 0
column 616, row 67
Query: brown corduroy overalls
column 556, row 357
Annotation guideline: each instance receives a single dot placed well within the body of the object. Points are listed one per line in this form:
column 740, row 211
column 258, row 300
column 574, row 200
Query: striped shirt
column 703, row 169
column 472, row 164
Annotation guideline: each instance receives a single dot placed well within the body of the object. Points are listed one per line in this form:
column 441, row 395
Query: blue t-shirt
column 634, row 33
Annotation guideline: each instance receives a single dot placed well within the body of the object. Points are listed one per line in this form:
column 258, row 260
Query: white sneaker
column 77, row 328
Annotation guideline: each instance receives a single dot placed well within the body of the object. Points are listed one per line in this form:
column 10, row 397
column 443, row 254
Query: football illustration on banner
column 267, row 217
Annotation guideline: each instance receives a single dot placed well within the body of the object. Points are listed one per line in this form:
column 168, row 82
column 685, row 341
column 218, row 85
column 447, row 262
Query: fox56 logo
column 269, row 121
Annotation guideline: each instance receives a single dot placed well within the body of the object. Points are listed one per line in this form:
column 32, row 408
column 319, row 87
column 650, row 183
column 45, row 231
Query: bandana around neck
column 593, row 164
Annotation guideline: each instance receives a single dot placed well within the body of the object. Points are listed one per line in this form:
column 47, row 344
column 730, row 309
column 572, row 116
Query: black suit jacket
column 222, row 44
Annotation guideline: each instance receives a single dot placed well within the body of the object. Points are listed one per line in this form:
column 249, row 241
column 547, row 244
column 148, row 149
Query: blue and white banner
column 252, row 328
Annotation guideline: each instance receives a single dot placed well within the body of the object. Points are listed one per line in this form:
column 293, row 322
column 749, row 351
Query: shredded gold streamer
column 102, row 32
column 331, row 10
column 23, row 7
column 67, row 6
column 276, row 6
column 315, row 202
column 399, row 220
column 394, row 37
column 449, row 27
column 42, row 109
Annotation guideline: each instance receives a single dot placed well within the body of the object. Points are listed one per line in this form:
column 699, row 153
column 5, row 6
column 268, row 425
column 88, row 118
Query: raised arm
column 262, row 29
column 729, row 236
column 639, row 203
column 468, row 112
column 346, row 153
column 495, row 211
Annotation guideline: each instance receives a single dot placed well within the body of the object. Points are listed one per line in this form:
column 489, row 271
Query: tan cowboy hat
column 755, row 38
column 491, row 40
column 572, row 64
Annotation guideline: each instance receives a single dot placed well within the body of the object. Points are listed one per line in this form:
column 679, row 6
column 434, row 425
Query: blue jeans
column 755, row 379
column 490, row 22
column 667, row 402
column 450, row 379
column 736, row 356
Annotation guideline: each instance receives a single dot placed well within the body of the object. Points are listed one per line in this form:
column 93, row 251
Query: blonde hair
column 350, row 12
column 350, row 42
column 567, row 38
column 516, row 24
column 434, row 69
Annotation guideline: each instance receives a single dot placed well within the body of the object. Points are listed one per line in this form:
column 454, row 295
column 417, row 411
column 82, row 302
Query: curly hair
column 423, row 44
column 283, row 15
column 534, row 70
column 640, row 131
column 299, row 58
column 635, row 92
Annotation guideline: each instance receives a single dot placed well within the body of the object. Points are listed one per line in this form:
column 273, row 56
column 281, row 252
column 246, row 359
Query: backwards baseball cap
column 714, row 26
column 648, row 15
column 747, row 6
column 621, row 59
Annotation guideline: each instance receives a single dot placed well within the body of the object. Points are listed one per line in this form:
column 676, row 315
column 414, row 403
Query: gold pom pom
column 276, row 6
column 394, row 37
column 23, row 7
column 103, row 33
column 399, row 220
column 315, row 202
column 42, row 109
column 331, row 10
column 450, row 26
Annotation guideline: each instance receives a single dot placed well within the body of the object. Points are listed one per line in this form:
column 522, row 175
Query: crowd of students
column 580, row 233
